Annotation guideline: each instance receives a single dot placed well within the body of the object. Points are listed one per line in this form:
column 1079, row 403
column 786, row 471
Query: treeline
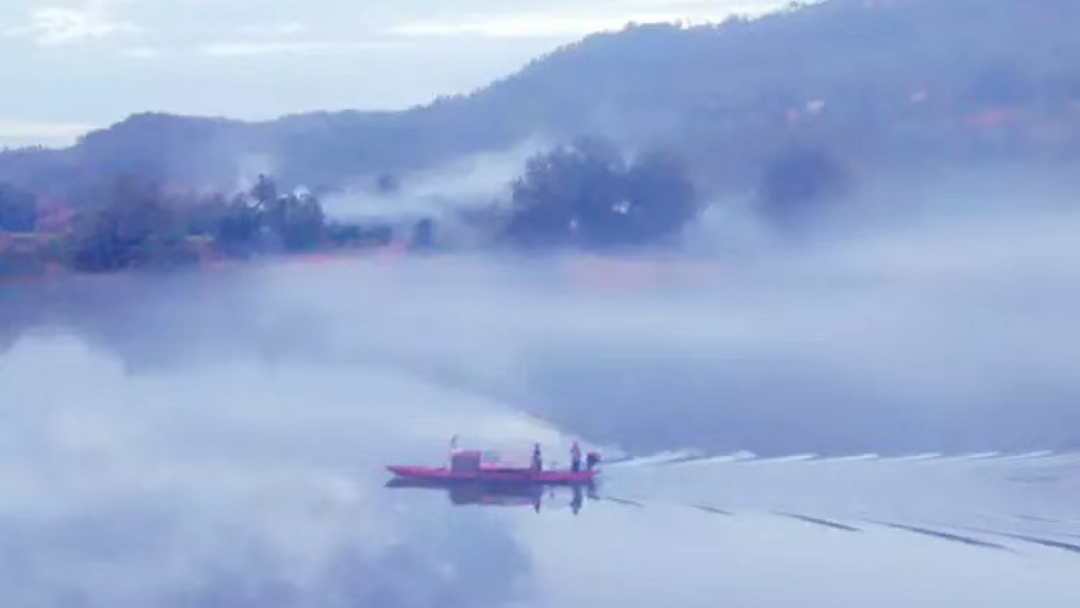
column 587, row 194
column 138, row 224
column 141, row 225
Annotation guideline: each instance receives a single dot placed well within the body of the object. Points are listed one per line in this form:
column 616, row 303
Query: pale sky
column 71, row 65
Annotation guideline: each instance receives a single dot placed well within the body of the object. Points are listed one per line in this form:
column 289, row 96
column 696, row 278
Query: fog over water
column 884, row 420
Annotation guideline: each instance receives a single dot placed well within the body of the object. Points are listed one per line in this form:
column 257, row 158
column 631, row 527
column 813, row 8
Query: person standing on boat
column 575, row 457
column 452, row 449
column 537, row 464
column 591, row 460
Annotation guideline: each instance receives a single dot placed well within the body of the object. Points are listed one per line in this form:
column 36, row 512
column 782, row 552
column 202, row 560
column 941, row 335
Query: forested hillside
column 883, row 82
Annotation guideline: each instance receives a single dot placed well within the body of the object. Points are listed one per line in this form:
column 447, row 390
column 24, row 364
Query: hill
column 889, row 83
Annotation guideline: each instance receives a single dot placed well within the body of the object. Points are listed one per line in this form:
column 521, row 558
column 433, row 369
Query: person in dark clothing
column 591, row 460
column 537, row 463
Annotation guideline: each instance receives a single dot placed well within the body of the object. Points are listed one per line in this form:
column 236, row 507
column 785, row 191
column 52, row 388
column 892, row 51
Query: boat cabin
column 477, row 460
column 466, row 461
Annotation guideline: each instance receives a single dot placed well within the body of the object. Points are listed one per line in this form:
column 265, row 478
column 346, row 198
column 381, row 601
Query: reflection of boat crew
column 537, row 464
column 575, row 457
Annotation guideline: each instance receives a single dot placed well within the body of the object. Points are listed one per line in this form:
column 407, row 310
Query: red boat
column 470, row 465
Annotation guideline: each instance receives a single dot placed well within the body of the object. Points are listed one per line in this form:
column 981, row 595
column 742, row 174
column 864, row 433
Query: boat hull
column 527, row 476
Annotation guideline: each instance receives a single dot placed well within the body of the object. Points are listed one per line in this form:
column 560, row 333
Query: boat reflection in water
column 488, row 494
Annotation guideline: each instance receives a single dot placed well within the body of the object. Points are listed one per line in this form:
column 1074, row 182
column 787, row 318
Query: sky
column 82, row 64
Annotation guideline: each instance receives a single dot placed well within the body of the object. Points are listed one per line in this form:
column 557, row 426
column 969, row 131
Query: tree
column 136, row 227
column 587, row 195
column 661, row 199
column 297, row 219
column 302, row 223
column 236, row 226
column 265, row 192
column 799, row 183
column 18, row 209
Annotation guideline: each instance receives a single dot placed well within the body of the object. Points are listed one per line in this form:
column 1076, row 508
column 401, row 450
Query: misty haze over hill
column 885, row 85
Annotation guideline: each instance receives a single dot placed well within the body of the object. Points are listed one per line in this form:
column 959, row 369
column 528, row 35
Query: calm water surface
column 847, row 438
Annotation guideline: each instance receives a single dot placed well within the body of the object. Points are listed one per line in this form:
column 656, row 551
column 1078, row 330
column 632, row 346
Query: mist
column 948, row 331
column 468, row 183
column 217, row 438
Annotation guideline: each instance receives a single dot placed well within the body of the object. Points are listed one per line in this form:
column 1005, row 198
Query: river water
column 890, row 425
